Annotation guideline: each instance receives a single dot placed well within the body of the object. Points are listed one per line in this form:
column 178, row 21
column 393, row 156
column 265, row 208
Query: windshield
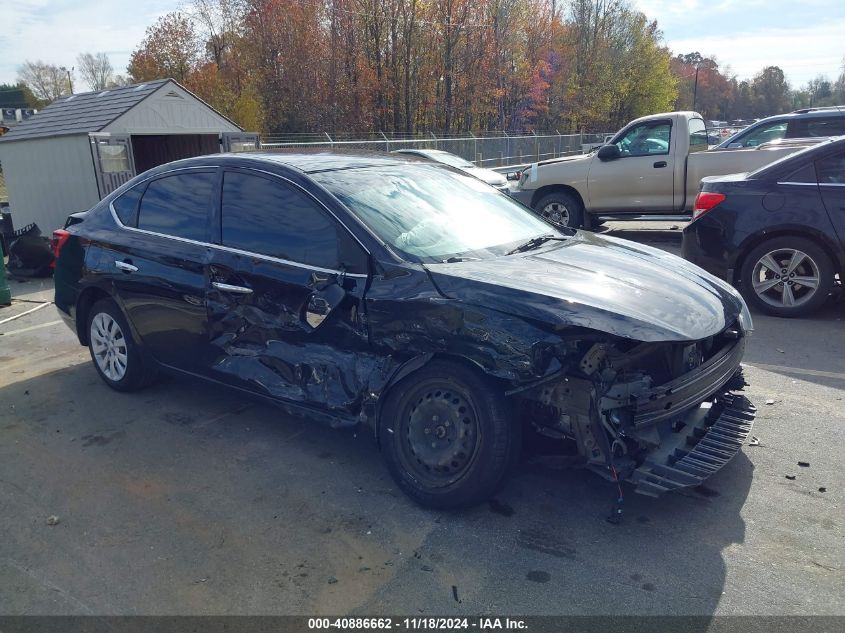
column 431, row 214
column 451, row 159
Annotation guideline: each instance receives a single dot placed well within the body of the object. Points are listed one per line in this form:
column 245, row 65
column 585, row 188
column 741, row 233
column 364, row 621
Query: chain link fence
column 492, row 150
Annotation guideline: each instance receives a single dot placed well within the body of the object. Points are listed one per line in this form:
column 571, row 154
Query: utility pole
column 695, row 86
column 69, row 80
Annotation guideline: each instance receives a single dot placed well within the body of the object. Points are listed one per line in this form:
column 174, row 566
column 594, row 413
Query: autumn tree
column 96, row 70
column 170, row 48
column 702, row 86
column 771, row 91
column 47, row 82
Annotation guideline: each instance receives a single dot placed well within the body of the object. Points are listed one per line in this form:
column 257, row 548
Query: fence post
column 479, row 159
column 386, row 142
column 435, row 139
column 331, row 142
column 536, row 145
column 474, row 145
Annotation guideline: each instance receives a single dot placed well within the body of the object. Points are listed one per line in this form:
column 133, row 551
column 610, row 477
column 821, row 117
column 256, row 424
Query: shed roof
column 83, row 112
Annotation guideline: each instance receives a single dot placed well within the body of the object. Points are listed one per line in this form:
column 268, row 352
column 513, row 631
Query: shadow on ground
column 185, row 499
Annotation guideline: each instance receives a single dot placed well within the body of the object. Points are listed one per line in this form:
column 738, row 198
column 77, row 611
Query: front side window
column 178, row 205
column 762, row 134
column 431, row 214
column 270, row 217
column 645, row 139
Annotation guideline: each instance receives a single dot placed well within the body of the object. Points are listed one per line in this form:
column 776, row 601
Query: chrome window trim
column 801, row 184
column 831, row 184
column 237, row 251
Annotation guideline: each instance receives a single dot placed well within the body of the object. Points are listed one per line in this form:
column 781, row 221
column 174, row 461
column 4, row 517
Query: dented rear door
column 285, row 296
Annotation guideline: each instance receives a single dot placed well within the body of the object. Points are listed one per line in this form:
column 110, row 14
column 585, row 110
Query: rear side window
column 270, row 217
column 834, row 126
column 697, row 135
column 126, row 206
column 178, row 205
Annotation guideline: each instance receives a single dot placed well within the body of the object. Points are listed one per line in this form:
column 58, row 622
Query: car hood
column 605, row 284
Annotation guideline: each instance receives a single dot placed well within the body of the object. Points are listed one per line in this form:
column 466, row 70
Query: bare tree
column 48, row 82
column 96, row 70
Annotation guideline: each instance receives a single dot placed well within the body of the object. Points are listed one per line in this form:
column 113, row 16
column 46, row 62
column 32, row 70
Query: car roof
column 807, row 113
column 420, row 151
column 307, row 162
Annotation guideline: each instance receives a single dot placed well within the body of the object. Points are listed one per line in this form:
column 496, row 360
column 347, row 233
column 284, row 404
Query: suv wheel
column 116, row 357
column 787, row 276
column 560, row 209
column 446, row 436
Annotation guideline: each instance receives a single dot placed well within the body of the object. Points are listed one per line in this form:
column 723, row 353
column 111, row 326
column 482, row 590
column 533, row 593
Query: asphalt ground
column 187, row 499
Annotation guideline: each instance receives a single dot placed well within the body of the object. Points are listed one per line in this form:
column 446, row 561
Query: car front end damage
column 660, row 415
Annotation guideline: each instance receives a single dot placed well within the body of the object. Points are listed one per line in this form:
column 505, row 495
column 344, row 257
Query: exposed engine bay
column 660, row 415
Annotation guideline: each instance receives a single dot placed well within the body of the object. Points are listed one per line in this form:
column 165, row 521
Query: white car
column 489, row 176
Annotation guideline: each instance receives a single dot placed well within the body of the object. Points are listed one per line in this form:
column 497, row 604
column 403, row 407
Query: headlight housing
column 745, row 321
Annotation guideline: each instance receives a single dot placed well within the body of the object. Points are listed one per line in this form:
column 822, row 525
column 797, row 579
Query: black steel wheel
column 787, row 276
column 447, row 439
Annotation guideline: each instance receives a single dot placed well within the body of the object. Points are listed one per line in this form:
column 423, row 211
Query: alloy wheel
column 557, row 213
column 785, row 278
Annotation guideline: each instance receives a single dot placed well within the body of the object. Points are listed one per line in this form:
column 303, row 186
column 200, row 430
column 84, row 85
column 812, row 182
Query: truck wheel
column 787, row 276
column 561, row 209
column 446, row 435
column 116, row 357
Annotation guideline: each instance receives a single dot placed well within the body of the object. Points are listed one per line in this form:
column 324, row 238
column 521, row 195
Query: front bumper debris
column 698, row 445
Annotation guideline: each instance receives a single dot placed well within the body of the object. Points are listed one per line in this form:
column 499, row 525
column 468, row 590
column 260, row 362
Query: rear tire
column 772, row 274
column 447, row 436
column 561, row 209
column 116, row 357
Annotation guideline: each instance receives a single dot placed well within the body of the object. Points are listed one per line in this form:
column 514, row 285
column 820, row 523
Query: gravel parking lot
column 185, row 499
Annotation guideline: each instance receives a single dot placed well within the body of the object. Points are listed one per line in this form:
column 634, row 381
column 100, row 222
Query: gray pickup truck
column 650, row 170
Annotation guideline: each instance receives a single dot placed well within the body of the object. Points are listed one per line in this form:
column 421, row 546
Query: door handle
column 659, row 164
column 125, row 266
column 241, row 290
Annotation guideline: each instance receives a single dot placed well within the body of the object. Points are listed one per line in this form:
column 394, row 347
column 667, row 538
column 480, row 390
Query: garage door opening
column 151, row 150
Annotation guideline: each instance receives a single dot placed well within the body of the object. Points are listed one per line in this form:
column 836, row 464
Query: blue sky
column 804, row 38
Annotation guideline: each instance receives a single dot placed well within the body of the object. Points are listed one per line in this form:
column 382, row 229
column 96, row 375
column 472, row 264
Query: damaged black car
column 419, row 303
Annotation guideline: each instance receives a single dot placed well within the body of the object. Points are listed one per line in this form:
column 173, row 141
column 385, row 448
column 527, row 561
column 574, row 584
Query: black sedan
column 777, row 233
column 414, row 300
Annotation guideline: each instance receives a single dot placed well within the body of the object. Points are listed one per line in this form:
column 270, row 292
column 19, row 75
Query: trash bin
column 5, row 291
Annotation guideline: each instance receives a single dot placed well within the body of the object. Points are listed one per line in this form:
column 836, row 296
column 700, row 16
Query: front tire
column 787, row 276
column 561, row 209
column 116, row 357
column 447, row 437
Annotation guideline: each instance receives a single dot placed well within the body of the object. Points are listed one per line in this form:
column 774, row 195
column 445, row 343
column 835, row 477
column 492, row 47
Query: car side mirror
column 327, row 296
column 609, row 152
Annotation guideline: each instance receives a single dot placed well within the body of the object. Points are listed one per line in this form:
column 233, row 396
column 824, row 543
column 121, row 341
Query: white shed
column 80, row 148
